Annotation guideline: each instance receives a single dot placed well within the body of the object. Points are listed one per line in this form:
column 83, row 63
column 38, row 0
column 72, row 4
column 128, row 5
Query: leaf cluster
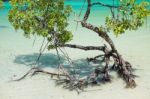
column 42, row 18
column 131, row 15
column 1, row 3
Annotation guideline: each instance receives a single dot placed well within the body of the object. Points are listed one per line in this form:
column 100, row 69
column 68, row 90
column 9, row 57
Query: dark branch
column 38, row 70
column 87, row 11
column 94, row 28
column 88, row 25
column 105, row 5
column 102, row 34
column 86, row 48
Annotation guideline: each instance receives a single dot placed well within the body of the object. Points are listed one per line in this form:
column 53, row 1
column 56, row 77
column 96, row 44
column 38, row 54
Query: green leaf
column 39, row 17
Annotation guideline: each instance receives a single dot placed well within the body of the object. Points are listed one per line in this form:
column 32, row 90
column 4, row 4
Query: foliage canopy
column 41, row 17
column 1, row 3
column 130, row 16
column 44, row 17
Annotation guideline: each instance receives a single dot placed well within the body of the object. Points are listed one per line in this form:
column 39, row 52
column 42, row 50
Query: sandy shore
column 17, row 54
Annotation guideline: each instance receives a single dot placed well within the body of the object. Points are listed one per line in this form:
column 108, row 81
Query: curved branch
column 95, row 28
column 88, row 25
column 39, row 70
column 127, row 76
column 105, row 5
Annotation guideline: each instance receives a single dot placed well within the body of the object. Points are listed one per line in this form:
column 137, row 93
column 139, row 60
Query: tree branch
column 38, row 70
column 102, row 34
column 86, row 48
column 105, row 5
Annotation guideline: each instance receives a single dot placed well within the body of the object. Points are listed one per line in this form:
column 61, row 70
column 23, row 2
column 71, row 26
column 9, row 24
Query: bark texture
column 124, row 67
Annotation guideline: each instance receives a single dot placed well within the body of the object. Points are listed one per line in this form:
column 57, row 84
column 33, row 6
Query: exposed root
column 24, row 75
column 95, row 59
column 67, row 80
column 35, row 70
column 70, row 82
column 124, row 68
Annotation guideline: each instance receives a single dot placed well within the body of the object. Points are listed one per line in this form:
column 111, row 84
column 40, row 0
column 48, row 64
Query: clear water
column 133, row 45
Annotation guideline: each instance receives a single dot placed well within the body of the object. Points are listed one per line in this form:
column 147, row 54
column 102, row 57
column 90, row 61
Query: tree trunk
column 123, row 66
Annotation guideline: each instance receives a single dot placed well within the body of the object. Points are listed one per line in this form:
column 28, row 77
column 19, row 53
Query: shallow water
column 17, row 53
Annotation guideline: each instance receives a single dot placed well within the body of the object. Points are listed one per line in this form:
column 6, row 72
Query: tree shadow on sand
column 46, row 60
column 80, row 66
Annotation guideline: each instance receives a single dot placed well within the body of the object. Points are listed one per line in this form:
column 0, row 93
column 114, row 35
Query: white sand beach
column 17, row 53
